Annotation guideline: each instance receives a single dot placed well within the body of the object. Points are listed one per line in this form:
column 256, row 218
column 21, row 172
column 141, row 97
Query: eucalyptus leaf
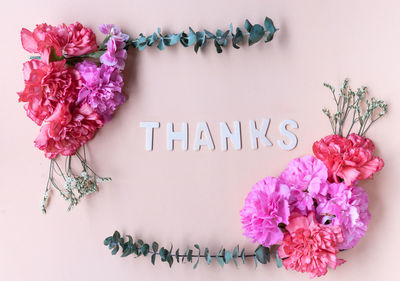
column 243, row 256
column 262, row 254
column 177, row 255
column 190, row 255
column 270, row 28
column 227, row 256
column 196, row 264
column 247, row 25
column 115, row 250
column 153, row 258
column 278, row 260
column 256, row 34
column 154, row 246
column 237, row 38
column 145, row 249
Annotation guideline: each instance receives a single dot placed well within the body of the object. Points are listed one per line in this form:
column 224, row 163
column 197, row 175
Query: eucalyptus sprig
column 75, row 186
column 138, row 248
column 364, row 111
column 200, row 38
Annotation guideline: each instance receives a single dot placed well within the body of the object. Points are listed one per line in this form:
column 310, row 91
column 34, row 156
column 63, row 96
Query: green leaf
column 107, row 241
column 172, row 39
column 262, row 254
column 237, row 38
column 207, row 256
column 220, row 260
column 115, row 250
column 126, row 252
column 196, row 264
column 153, row 258
column 243, row 256
column 141, row 42
column 255, row 261
column 135, row 249
column 154, row 246
column 177, row 255
column 247, row 25
column 209, row 34
column 140, row 242
column 116, row 236
column 96, row 55
column 161, row 44
column 270, row 28
column 190, row 255
column 163, row 254
column 217, row 46
column 256, row 34
column 145, row 249
column 228, row 256
column 185, row 254
column 130, row 239
column 170, row 260
column 151, row 39
column 278, row 260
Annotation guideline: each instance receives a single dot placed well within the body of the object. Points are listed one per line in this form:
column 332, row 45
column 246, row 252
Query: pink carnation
column 306, row 178
column 310, row 247
column 115, row 54
column 47, row 85
column 72, row 40
column 348, row 159
column 65, row 132
column 102, row 88
column 81, row 40
column 266, row 206
column 347, row 208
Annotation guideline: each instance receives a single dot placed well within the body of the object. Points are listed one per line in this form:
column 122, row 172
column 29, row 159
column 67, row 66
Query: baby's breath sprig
column 364, row 112
column 75, row 186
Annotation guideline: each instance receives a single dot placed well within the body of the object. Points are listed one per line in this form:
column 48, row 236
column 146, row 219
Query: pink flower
column 347, row 208
column 115, row 54
column 311, row 247
column 65, row 132
column 102, row 88
column 113, row 31
column 348, row 159
column 43, row 37
column 72, row 40
column 47, row 85
column 81, row 40
column 306, row 178
column 266, row 206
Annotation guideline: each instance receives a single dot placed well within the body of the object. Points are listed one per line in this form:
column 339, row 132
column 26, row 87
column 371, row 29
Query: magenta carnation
column 347, row 208
column 266, row 206
column 306, row 178
column 102, row 88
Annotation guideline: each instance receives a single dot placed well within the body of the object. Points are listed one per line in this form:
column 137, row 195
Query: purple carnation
column 101, row 89
column 306, row 178
column 266, row 206
column 348, row 208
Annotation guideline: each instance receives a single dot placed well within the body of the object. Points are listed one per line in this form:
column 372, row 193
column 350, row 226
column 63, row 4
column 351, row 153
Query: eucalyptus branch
column 352, row 103
column 199, row 39
column 139, row 248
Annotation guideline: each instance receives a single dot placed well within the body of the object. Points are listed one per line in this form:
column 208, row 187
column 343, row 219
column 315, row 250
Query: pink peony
column 65, row 132
column 47, row 85
column 102, row 88
column 81, row 40
column 306, row 178
column 72, row 40
column 266, row 206
column 348, row 159
column 311, row 247
column 347, row 208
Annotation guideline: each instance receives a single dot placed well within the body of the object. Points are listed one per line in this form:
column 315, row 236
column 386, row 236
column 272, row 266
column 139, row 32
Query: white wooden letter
column 149, row 133
column 172, row 136
column 292, row 137
column 202, row 128
column 259, row 134
column 234, row 137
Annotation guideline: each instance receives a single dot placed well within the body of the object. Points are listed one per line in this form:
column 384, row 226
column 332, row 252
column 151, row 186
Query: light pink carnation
column 266, row 206
column 306, row 178
column 310, row 247
column 115, row 54
column 347, row 208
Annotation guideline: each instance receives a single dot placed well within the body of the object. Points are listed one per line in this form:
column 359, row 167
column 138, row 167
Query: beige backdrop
column 195, row 197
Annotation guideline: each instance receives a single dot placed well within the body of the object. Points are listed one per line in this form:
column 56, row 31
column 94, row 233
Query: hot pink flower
column 266, row 206
column 47, row 85
column 81, row 40
column 309, row 246
column 348, row 159
column 65, row 132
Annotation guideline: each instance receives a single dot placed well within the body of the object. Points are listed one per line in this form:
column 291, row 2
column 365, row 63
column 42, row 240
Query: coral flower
column 310, row 247
column 65, row 132
column 348, row 159
column 266, row 206
column 47, row 85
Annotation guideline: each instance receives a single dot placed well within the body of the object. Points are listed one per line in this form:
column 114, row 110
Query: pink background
column 195, row 197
